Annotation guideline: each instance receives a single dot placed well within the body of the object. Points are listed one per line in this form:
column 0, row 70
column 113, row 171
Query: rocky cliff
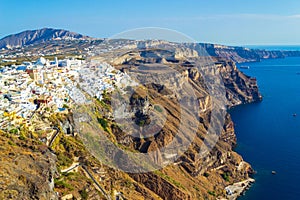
column 241, row 54
column 190, row 176
column 27, row 169
column 29, row 165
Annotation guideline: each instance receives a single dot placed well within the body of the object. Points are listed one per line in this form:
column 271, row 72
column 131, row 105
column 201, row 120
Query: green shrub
column 64, row 160
column 84, row 195
column 62, row 184
column 169, row 179
column 104, row 105
column 13, row 131
column 225, row 176
column 196, row 188
column 103, row 123
column 212, row 193
column 206, row 174
column 141, row 123
column 158, row 108
column 106, row 97
column 22, row 137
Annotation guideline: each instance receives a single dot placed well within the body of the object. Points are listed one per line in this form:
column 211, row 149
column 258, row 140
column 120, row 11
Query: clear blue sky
column 235, row 22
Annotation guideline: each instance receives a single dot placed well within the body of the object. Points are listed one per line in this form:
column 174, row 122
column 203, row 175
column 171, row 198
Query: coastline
column 237, row 189
column 259, row 115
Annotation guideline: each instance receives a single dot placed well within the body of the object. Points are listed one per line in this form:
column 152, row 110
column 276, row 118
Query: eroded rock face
column 160, row 186
column 190, row 177
column 26, row 171
column 67, row 125
column 239, row 89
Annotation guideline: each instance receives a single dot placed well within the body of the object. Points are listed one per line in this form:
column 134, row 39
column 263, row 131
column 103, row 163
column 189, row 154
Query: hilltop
column 30, row 37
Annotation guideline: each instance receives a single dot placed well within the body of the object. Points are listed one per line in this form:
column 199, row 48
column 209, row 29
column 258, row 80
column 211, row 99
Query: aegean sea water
column 268, row 132
column 276, row 47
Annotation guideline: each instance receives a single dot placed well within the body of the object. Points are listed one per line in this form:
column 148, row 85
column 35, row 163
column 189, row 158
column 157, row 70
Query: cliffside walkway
column 100, row 188
column 73, row 166
column 54, row 137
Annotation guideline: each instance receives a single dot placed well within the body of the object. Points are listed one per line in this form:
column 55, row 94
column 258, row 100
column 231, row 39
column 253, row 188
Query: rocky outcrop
column 27, row 170
column 160, row 186
column 67, row 125
column 240, row 88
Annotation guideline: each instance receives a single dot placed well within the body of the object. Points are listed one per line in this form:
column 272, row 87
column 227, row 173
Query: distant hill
column 38, row 36
column 48, row 40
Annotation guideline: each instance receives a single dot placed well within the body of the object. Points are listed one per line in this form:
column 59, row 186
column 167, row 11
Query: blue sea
column 275, row 47
column 268, row 134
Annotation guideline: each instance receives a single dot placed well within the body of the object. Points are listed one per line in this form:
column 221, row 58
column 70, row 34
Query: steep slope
column 190, row 177
column 38, row 36
column 27, row 169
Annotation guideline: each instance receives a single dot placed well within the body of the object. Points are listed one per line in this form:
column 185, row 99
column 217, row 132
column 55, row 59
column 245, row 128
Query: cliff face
column 190, row 177
column 27, row 169
column 240, row 88
column 240, row 54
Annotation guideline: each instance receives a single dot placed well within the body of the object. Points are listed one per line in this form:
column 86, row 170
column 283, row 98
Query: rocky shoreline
column 237, row 189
